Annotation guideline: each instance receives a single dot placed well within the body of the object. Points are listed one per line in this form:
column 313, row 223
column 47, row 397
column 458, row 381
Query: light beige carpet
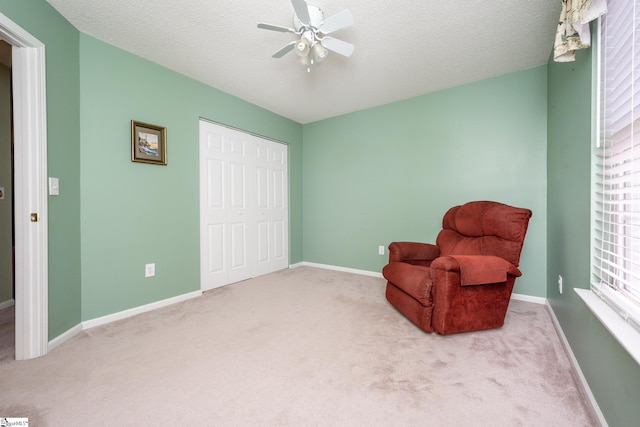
column 300, row 347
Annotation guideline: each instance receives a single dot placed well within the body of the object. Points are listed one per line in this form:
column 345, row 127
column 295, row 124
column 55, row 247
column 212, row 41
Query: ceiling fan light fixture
column 305, row 60
column 319, row 52
column 302, row 47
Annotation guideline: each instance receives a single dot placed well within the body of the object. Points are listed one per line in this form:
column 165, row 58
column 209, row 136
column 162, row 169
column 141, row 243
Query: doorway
column 30, row 197
column 7, row 290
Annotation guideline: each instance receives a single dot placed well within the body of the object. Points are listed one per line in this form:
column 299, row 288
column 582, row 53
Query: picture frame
column 148, row 143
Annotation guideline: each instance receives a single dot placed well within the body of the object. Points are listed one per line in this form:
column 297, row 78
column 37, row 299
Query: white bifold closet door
column 243, row 206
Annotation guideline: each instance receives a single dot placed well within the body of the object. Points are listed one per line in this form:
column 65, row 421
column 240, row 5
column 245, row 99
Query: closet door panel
column 243, row 206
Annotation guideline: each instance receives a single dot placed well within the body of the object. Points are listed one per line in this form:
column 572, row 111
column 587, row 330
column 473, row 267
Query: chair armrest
column 477, row 269
column 412, row 251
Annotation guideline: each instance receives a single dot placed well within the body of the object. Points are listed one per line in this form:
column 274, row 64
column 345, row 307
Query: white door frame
column 30, row 197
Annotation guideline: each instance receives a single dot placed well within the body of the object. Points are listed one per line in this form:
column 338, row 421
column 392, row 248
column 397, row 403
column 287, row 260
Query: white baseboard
column 336, row 268
column 64, row 337
column 529, row 298
column 88, row 324
column 593, row 404
column 8, row 303
column 520, row 297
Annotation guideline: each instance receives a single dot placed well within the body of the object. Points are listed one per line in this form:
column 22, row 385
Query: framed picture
column 148, row 143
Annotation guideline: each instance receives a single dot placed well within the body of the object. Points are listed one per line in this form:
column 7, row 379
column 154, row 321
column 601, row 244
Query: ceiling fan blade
column 276, row 28
column 286, row 49
column 302, row 11
column 336, row 22
column 338, row 46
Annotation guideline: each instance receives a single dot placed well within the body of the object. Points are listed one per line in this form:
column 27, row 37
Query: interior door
column 239, row 214
column 271, row 206
column 213, row 207
column 279, row 209
column 243, row 205
column 263, row 214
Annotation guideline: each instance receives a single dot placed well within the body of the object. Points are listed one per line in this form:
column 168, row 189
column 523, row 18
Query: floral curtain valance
column 573, row 28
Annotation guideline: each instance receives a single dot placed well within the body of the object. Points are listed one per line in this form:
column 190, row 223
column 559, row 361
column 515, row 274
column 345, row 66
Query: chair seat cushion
column 415, row 280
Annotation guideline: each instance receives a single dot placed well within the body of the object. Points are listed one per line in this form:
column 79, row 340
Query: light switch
column 54, row 187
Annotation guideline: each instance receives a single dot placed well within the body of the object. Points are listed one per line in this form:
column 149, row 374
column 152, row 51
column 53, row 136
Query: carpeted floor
column 300, row 347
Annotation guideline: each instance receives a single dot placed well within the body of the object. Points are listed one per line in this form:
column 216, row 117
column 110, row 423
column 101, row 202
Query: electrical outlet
column 150, row 270
column 381, row 250
column 560, row 284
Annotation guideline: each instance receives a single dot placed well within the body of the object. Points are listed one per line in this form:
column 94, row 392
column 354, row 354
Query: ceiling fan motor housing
column 316, row 17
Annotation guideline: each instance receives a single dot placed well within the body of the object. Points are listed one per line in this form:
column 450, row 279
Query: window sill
column 626, row 334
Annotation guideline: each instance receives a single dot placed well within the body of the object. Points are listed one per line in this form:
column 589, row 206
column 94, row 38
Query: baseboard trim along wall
column 336, row 268
column 88, row 324
column 593, row 404
column 8, row 303
column 529, row 298
column 519, row 297
column 64, row 337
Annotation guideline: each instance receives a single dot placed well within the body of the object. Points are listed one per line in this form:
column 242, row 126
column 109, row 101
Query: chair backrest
column 484, row 228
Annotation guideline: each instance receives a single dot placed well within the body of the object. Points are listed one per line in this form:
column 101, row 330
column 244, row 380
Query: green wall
column 63, row 139
column 613, row 376
column 135, row 213
column 370, row 177
column 390, row 173
column 6, row 208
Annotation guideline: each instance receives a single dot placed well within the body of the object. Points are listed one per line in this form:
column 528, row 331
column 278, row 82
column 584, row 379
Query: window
column 617, row 211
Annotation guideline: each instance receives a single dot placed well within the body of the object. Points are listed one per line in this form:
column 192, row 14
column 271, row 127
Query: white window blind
column 617, row 234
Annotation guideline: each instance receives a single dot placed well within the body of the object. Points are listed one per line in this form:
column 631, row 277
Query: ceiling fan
column 313, row 44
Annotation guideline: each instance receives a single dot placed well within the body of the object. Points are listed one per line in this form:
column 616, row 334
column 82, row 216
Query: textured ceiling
column 402, row 48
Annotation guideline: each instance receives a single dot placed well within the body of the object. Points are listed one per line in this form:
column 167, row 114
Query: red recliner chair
column 463, row 282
